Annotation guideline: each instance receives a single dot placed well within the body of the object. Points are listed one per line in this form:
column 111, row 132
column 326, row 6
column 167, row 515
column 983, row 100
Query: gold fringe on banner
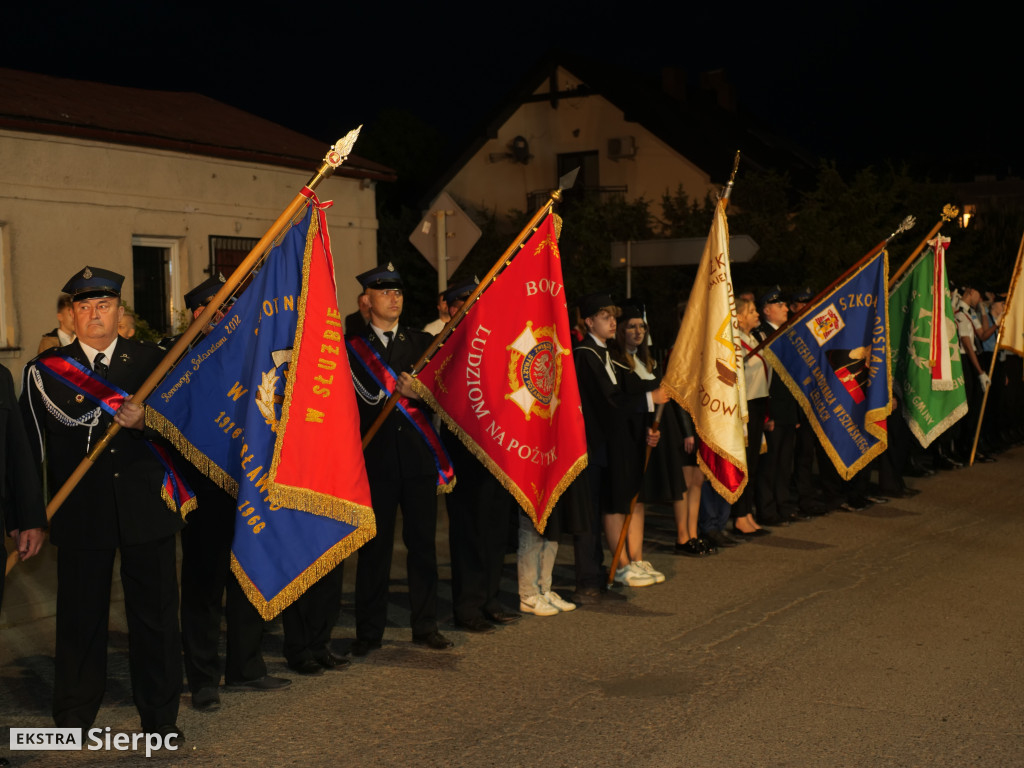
column 927, row 438
column 268, row 609
column 878, row 414
column 541, row 519
column 186, row 509
column 193, row 455
column 731, row 496
column 292, row 497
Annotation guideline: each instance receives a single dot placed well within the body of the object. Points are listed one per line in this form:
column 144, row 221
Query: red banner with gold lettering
column 319, row 428
column 504, row 380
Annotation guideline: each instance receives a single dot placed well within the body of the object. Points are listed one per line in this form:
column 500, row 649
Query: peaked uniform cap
column 771, row 296
column 200, row 295
column 93, row 283
column 460, row 292
column 382, row 276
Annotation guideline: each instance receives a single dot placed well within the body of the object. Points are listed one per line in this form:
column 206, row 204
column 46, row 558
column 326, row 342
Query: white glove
column 985, row 381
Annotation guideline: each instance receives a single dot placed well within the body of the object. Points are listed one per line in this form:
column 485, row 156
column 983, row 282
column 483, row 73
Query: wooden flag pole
column 948, row 212
column 725, row 195
column 995, row 352
column 906, row 224
column 334, row 158
column 629, row 514
column 564, row 183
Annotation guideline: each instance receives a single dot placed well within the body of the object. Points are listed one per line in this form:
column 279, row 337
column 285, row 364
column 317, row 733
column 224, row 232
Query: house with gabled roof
column 166, row 188
column 628, row 136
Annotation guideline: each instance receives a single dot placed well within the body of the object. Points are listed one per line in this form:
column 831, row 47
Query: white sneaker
column 646, row 567
column 557, row 602
column 633, row 576
column 537, row 605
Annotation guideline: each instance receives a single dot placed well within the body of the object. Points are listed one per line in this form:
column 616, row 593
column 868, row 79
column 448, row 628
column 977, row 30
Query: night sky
column 862, row 84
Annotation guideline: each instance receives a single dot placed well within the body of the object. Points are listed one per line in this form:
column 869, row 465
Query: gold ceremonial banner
column 705, row 372
column 1011, row 335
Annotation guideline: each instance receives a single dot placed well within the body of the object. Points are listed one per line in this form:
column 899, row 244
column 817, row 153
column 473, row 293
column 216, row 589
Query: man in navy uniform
column 117, row 506
column 401, row 469
column 22, row 513
column 206, row 575
column 480, row 515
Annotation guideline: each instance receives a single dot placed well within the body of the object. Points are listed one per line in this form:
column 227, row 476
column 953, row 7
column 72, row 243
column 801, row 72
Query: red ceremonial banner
column 505, row 383
column 319, row 428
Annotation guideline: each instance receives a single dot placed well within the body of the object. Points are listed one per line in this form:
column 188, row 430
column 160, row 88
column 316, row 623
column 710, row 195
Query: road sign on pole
column 444, row 236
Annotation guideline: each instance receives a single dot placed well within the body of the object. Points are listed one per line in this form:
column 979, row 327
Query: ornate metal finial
column 906, row 224
column 950, row 212
column 343, row 148
column 727, row 192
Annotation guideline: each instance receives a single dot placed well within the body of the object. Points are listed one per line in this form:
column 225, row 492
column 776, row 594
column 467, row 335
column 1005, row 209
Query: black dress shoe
column 328, row 660
column 475, row 624
column 308, row 667
column 586, row 596
column 914, row 469
column 706, row 545
column 692, row 548
column 265, row 683
column 206, row 699
column 362, row 647
column 773, row 520
column 502, row 617
column 721, row 539
column 434, row 640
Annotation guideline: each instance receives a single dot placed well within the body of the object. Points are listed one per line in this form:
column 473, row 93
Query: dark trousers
column 205, row 577
column 588, row 547
column 149, row 580
column 775, row 471
column 805, row 446
column 745, row 504
column 417, row 497
column 714, row 510
column 480, row 511
column 891, row 463
column 309, row 621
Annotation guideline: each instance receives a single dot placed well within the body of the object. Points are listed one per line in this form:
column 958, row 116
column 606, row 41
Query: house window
column 156, row 280
column 226, row 253
column 588, row 179
column 8, row 329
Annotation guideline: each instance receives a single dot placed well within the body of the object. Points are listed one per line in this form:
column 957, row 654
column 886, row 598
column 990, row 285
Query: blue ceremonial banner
column 835, row 360
column 225, row 406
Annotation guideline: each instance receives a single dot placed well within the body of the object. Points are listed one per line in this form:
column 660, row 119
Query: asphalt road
column 890, row 637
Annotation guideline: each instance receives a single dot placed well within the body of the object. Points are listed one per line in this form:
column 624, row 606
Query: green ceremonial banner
column 926, row 369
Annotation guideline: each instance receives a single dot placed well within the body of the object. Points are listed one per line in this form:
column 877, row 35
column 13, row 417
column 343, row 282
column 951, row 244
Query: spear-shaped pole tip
column 567, row 181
